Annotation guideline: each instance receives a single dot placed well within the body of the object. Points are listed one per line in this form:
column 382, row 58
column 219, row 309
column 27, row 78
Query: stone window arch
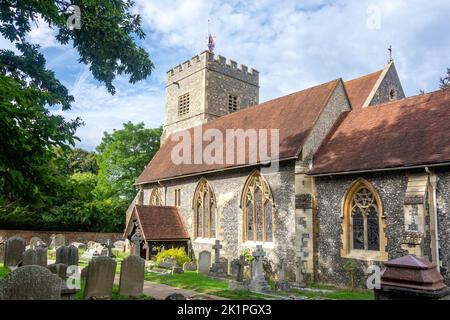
column 257, row 207
column 204, row 205
column 363, row 223
column 155, row 197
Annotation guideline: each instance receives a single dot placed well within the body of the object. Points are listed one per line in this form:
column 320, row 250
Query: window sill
column 253, row 244
column 365, row 255
column 205, row 240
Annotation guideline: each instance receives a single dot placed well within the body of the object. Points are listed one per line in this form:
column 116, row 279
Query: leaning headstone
column 31, row 283
column 259, row 283
column 218, row 269
column 132, row 276
column 204, row 261
column 14, row 249
column 238, row 284
column 67, row 255
column 189, row 266
column 36, row 256
column 100, row 278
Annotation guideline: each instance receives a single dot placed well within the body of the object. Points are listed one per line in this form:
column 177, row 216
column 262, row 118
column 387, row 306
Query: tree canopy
column 31, row 135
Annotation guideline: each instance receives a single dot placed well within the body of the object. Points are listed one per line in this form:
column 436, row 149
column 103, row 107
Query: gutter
column 423, row 166
column 433, row 182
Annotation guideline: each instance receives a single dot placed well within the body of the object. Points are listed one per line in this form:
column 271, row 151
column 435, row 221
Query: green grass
column 3, row 271
column 115, row 294
column 202, row 284
column 337, row 294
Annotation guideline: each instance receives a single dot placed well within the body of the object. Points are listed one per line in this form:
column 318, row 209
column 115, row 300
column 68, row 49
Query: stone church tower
column 207, row 87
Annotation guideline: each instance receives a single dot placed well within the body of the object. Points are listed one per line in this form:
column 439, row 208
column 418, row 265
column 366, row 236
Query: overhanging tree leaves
column 30, row 133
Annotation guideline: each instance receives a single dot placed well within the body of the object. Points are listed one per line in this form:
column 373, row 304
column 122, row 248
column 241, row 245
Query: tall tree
column 445, row 82
column 77, row 160
column 122, row 155
column 30, row 133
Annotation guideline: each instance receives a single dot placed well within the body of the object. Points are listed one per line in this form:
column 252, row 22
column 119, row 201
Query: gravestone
column 281, row 284
column 67, row 255
column 100, row 278
column 189, row 266
column 299, row 279
column 238, row 284
column 137, row 240
column 31, row 283
column 35, row 242
column 258, row 283
column 94, row 249
column 218, row 269
column 168, row 263
column 177, row 270
column 36, row 256
column 59, row 269
column 132, row 276
column 109, row 247
column 204, row 261
column 14, row 249
column 79, row 245
column 120, row 245
column 60, row 240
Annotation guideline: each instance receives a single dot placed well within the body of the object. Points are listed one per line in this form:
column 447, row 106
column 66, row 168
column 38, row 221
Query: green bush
column 175, row 253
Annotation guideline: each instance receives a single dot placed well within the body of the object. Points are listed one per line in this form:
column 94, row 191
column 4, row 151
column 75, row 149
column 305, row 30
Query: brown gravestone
column 132, row 276
column 36, row 256
column 411, row 278
column 67, row 255
column 100, row 278
column 2, row 251
column 14, row 249
column 30, row 283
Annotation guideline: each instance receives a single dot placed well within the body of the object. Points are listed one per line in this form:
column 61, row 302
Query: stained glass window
column 373, row 232
column 358, row 229
column 257, row 209
column 205, row 209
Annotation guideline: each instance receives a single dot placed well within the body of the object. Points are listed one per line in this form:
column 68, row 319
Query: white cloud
column 41, row 33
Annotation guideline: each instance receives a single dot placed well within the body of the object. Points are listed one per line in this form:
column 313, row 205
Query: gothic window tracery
column 155, row 197
column 205, row 210
column 257, row 205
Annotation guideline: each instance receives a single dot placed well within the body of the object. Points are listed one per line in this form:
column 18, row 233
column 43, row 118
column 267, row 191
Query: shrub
column 175, row 253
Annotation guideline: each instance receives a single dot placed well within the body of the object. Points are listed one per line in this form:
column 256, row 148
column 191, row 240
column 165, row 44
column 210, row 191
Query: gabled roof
column 407, row 132
column 294, row 115
column 359, row 89
column 159, row 223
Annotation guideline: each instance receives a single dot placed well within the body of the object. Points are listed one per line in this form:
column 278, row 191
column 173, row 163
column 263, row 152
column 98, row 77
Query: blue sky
column 293, row 44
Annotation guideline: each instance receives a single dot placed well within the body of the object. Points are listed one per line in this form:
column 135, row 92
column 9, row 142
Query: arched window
column 204, row 210
column 257, row 206
column 155, row 197
column 363, row 222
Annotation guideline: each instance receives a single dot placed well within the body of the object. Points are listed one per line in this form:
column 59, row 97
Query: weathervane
column 390, row 60
column 211, row 40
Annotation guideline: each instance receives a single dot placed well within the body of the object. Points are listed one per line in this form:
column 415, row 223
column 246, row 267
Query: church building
column 362, row 173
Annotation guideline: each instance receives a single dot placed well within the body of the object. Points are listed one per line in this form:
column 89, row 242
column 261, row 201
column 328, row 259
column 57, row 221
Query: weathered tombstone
column 31, row 283
column 189, row 266
column 132, row 276
column 204, row 261
column 238, row 284
column 137, row 240
column 177, row 270
column 234, row 267
column 14, row 249
column 109, row 247
column 100, row 278
column 59, row 269
column 60, row 240
column 259, row 283
column 35, row 242
column 281, row 284
column 299, row 279
column 36, row 256
column 218, row 269
column 120, row 245
column 225, row 263
column 168, row 263
column 67, row 255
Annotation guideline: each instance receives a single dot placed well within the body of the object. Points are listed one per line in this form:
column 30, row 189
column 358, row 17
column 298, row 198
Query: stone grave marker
column 67, row 255
column 14, row 249
column 31, row 283
column 281, row 284
column 259, row 283
column 238, row 277
column 218, row 269
column 100, row 278
column 189, row 266
column 132, row 276
column 60, row 240
column 35, row 242
column 36, row 256
column 137, row 240
column 204, row 262
column 59, row 269
column 120, row 245
column 2, row 251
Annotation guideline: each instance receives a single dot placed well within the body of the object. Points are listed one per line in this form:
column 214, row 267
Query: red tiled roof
column 160, row 223
column 407, row 132
column 359, row 89
column 294, row 115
